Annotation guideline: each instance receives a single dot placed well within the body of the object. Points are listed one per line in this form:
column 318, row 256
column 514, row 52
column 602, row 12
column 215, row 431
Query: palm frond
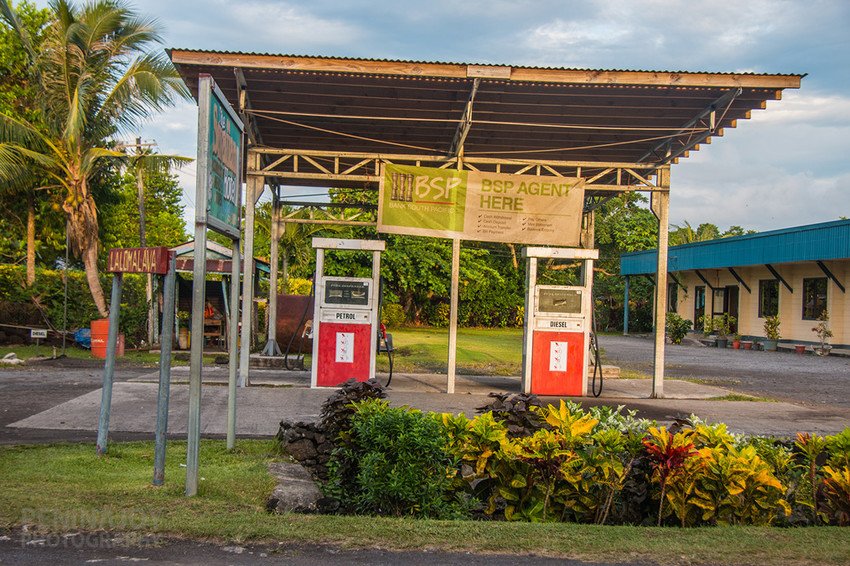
column 11, row 18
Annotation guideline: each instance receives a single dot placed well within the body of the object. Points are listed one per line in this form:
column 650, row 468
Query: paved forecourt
column 276, row 395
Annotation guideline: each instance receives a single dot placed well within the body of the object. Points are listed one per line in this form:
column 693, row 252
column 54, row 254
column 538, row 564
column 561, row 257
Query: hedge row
column 521, row 461
column 44, row 301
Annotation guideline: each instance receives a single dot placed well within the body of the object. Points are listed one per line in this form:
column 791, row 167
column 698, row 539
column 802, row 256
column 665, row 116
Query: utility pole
column 138, row 170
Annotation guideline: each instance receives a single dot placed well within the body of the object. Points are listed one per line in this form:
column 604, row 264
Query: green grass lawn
column 491, row 351
column 140, row 357
column 67, row 488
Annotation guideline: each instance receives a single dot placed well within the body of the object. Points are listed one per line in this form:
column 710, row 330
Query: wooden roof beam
column 463, row 71
column 465, row 122
column 709, row 115
column 244, row 102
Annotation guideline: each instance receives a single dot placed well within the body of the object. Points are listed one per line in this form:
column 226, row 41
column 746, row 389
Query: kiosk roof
column 385, row 106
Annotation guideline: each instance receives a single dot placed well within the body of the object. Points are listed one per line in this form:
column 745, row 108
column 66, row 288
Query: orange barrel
column 99, row 337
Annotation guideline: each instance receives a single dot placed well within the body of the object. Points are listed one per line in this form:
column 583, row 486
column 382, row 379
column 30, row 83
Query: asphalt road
column 36, row 387
column 784, row 376
column 101, row 548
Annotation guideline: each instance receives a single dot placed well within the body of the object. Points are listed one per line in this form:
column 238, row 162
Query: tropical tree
column 95, row 80
column 17, row 97
column 164, row 224
column 623, row 224
column 706, row 231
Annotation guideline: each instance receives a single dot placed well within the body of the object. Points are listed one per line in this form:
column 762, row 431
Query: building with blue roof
column 795, row 273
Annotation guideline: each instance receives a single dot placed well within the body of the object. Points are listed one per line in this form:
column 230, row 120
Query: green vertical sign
column 220, row 159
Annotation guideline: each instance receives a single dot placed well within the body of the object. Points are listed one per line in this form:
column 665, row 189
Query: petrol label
column 352, row 317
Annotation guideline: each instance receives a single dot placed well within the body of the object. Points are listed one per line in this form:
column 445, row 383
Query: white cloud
column 806, row 107
column 561, row 34
column 761, row 203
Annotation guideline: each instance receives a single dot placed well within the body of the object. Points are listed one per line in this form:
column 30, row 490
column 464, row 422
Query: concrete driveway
column 52, row 402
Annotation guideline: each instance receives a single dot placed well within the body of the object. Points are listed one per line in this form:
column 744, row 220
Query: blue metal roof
column 828, row 240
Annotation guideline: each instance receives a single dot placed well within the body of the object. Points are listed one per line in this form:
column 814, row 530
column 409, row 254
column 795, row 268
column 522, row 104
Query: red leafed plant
column 668, row 453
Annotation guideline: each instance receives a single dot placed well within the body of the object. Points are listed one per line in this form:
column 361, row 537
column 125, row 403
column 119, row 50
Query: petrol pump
column 556, row 331
column 345, row 317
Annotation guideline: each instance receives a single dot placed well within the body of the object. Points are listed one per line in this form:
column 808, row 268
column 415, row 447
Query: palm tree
column 96, row 80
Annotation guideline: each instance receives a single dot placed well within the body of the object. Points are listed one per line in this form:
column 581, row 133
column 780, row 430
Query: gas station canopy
column 336, row 122
column 491, row 111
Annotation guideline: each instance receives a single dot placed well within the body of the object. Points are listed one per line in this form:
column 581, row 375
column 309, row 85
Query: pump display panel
column 558, row 300
column 347, row 292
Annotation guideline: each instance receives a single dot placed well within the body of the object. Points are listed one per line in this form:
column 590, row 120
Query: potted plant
column 823, row 332
column 707, row 324
column 771, row 330
column 736, row 341
column 723, row 325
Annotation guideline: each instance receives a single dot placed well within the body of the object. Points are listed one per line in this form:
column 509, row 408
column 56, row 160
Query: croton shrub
column 599, row 466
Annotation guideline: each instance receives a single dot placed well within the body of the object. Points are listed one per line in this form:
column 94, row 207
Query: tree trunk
column 30, row 240
column 90, row 263
column 81, row 211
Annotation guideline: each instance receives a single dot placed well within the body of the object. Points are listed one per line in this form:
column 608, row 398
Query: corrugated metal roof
column 374, row 106
column 813, row 242
column 531, row 67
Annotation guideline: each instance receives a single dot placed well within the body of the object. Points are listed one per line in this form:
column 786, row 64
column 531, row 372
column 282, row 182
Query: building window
column 699, row 304
column 768, row 298
column 814, row 297
column 672, row 297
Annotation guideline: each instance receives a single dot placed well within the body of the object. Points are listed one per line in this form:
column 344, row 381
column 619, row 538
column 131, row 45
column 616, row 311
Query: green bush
column 400, row 465
column 392, row 315
column 48, row 291
column 597, row 466
column 677, row 327
column 438, row 315
column 295, row 286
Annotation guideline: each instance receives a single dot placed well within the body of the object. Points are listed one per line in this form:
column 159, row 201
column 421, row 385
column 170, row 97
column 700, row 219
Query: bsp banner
column 474, row 205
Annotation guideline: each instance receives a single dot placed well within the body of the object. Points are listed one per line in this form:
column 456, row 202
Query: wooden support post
column 527, row 330
column 661, row 208
column 452, row 363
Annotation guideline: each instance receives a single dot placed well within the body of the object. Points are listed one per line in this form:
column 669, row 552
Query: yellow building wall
column 793, row 328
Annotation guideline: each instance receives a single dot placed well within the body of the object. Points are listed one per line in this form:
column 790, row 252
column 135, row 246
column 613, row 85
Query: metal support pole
column 450, row 374
column 109, row 366
column 196, row 359
column 164, row 371
column 234, row 346
column 272, row 348
column 626, row 309
column 253, row 189
column 155, row 311
column 661, row 208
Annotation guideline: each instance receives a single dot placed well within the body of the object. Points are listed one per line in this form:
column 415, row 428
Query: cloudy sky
column 787, row 166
